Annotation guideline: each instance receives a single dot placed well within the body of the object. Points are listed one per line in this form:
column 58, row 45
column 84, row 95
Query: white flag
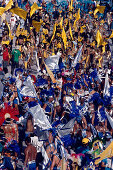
column 110, row 119
column 106, row 86
column 52, row 61
column 40, row 118
column 28, row 89
column 77, row 58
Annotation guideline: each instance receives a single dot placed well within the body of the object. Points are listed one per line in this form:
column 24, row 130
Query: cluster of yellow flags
column 7, row 7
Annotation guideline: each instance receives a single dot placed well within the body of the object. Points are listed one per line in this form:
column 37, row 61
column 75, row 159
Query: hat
column 85, row 140
column 18, row 70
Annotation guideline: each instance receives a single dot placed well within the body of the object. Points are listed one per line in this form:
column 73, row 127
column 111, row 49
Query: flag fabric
column 99, row 9
column 74, row 25
column 71, row 5
column 82, row 29
column 107, row 153
column 11, row 37
column 106, row 91
column 20, row 12
column 9, row 5
column 40, row 118
column 37, row 25
column 52, row 61
column 99, row 38
column 50, row 74
column 110, row 119
column 28, row 89
column 70, row 31
column 64, row 38
column 34, row 7
column 78, row 15
column 61, row 22
column 18, row 30
column 78, row 57
column 54, row 31
column 67, row 128
column 2, row 10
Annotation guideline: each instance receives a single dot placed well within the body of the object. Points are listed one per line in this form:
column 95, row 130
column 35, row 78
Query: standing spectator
column 5, row 58
column 30, row 155
column 15, row 59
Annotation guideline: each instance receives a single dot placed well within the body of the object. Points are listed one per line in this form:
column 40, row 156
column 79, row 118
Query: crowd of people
column 56, row 85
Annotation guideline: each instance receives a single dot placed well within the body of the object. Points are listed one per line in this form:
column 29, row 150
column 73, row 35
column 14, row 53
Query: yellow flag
column 20, row 12
column 18, row 30
column 61, row 22
column 2, row 10
column 74, row 25
column 71, row 5
column 104, row 45
column 70, row 31
column 5, row 42
column 9, row 30
column 82, row 29
column 50, row 73
column 64, row 37
column 54, row 31
column 9, row 5
column 78, row 15
column 99, row 38
column 37, row 25
column 99, row 9
column 34, row 7
column 107, row 153
column 93, row 43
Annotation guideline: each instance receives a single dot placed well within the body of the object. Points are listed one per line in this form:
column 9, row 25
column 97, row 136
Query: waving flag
column 99, row 38
column 9, row 5
column 78, row 57
column 34, row 7
column 110, row 119
column 106, row 86
column 99, row 9
column 66, row 129
column 20, row 12
column 50, row 74
column 28, row 89
column 52, row 61
column 64, row 37
column 107, row 153
column 40, row 118
column 37, row 25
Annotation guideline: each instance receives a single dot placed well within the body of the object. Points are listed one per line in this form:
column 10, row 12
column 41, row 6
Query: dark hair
column 28, row 140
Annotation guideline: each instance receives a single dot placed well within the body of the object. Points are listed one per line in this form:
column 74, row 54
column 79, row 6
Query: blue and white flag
column 77, row 58
column 40, row 118
column 52, row 61
column 66, row 129
column 28, row 89
column 110, row 119
column 106, row 91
